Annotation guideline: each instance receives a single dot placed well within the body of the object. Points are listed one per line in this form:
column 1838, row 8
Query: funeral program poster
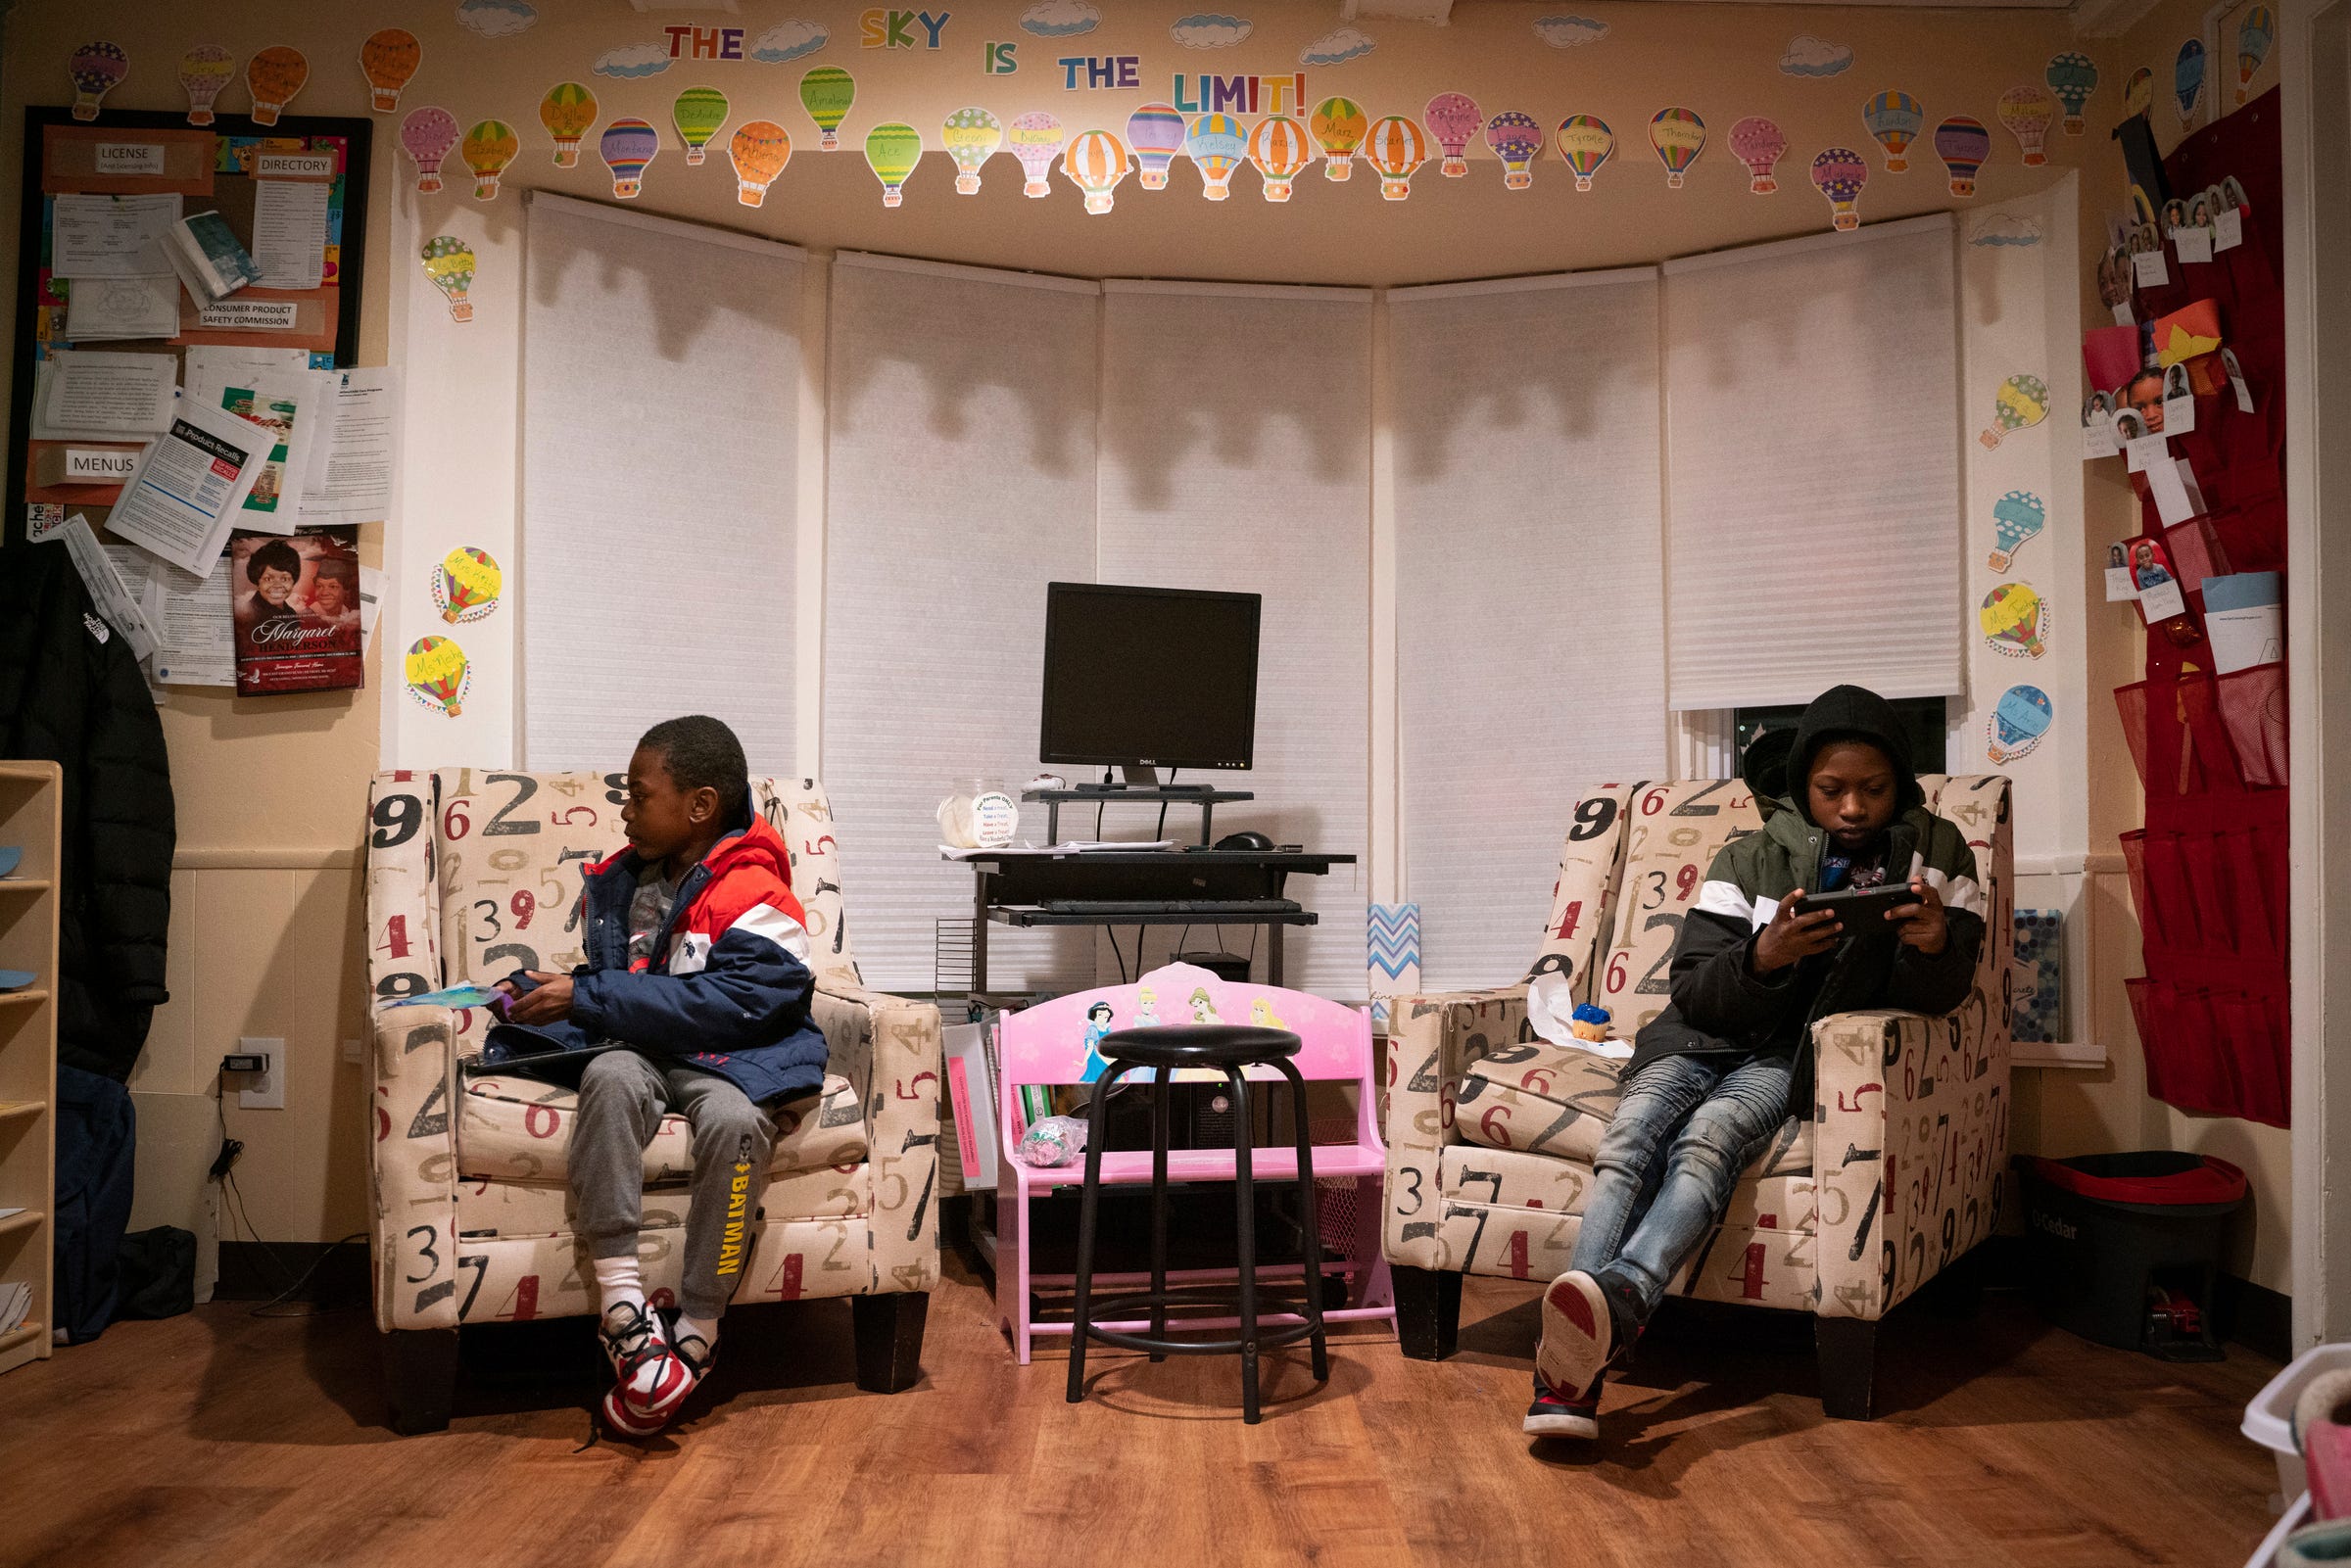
column 296, row 601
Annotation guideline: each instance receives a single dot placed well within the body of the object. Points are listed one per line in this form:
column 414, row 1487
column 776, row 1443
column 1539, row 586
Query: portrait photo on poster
column 295, row 606
column 2159, row 595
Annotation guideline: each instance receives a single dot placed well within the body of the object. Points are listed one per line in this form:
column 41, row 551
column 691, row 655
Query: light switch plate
column 354, row 1053
column 266, row 1090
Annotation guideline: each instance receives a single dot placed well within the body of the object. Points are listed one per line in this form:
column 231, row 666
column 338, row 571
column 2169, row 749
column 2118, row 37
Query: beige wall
column 267, row 931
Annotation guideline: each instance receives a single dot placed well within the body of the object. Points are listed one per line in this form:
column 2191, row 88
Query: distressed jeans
column 1684, row 1129
column 623, row 1097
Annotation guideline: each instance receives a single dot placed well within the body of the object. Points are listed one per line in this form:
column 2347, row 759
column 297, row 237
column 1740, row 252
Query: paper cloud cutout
column 789, row 40
column 1569, row 32
column 1337, row 45
column 495, row 19
column 634, row 59
column 2006, row 228
column 1060, row 18
column 1209, row 30
column 1808, row 56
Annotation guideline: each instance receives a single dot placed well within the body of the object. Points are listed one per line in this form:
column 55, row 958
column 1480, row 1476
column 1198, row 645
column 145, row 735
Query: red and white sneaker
column 650, row 1380
column 1579, row 1338
column 1559, row 1415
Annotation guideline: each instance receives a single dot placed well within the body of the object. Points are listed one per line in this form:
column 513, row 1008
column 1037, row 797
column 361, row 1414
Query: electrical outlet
column 265, row 1090
column 355, row 1053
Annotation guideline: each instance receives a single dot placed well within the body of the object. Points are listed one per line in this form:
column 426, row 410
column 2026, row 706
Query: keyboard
column 1170, row 906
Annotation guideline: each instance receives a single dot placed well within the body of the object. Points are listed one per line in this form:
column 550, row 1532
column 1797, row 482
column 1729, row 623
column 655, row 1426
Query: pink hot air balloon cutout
column 1759, row 144
column 426, row 134
column 1453, row 118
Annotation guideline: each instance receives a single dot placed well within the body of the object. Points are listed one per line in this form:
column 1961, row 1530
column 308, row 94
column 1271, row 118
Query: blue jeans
column 1652, row 1202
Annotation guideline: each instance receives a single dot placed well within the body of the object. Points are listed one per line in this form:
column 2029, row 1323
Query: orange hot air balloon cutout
column 275, row 76
column 760, row 150
column 387, row 59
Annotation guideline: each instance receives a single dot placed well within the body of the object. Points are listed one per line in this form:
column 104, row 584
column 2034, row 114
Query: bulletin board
column 221, row 168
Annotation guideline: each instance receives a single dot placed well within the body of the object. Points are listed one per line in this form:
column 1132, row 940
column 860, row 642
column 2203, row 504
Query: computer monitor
column 1149, row 678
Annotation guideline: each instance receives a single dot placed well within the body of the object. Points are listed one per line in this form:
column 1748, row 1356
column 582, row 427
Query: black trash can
column 2126, row 1248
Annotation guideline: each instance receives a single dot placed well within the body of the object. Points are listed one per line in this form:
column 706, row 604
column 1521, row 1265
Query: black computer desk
column 1010, row 889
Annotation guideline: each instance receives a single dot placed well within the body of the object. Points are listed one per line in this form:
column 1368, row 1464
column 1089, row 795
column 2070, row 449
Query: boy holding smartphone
column 1712, row 1076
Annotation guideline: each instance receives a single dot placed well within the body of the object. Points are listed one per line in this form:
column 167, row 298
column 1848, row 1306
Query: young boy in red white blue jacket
column 697, row 987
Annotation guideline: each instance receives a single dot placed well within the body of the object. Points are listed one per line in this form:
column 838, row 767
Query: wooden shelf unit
column 31, row 809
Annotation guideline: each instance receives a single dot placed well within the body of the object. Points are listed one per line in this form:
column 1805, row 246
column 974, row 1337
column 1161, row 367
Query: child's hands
column 1923, row 925
column 548, row 1003
column 1795, row 934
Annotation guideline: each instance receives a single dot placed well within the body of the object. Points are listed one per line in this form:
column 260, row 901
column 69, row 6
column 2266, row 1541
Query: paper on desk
column 100, row 310
column 184, row 498
column 111, row 236
column 115, row 603
column 109, row 395
column 289, row 232
column 355, row 459
column 1072, row 847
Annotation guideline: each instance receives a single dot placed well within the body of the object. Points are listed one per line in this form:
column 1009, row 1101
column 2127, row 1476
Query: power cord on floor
column 225, row 1171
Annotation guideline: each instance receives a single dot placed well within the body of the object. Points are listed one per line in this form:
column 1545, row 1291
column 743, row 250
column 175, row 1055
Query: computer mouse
column 1247, row 839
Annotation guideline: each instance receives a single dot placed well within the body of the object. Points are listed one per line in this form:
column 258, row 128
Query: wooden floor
column 219, row 1438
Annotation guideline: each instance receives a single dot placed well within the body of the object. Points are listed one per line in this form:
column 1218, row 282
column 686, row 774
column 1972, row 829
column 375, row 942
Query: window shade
column 1530, row 618
column 660, row 411
column 1236, row 455
column 960, row 480
column 1812, row 441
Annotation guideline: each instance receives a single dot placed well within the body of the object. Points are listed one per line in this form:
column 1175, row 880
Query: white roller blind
column 1236, row 455
column 960, row 481
column 661, row 417
column 1812, row 439
column 1530, row 636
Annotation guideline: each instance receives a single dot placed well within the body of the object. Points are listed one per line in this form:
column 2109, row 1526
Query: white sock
column 703, row 1329
column 617, row 1280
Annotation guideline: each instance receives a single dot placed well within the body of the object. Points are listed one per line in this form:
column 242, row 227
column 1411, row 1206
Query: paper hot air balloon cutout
column 1893, row 121
column 568, row 111
column 1279, row 148
column 1839, row 174
column 759, row 151
column 2019, row 720
column 2187, row 77
column 970, row 137
column 275, row 76
column 1454, row 120
column 2138, row 91
column 2015, row 621
column 1035, row 138
column 449, row 265
column 2072, row 77
column 1585, row 143
column 699, row 114
column 1216, row 145
column 1095, row 162
column 2028, row 112
column 205, row 71
column 1678, row 135
column 1155, row 133
column 1338, row 125
column 1759, row 144
column 893, row 148
column 388, row 59
column 438, row 673
column 1395, row 147
column 1517, row 139
column 2016, row 517
column 426, row 135
column 96, row 70
column 2022, row 402
column 2253, row 36
column 827, row 92
column 627, row 146
column 488, row 149
column 465, row 585
column 1963, row 144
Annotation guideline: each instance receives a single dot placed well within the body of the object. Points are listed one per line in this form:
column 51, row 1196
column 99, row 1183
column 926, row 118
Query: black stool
column 1231, row 1048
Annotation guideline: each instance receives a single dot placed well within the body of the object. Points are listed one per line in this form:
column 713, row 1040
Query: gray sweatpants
column 622, row 1098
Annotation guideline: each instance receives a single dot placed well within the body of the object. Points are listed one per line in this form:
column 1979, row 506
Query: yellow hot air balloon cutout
column 2021, row 402
column 449, row 266
column 466, row 585
column 387, row 59
column 275, row 76
column 759, row 151
column 438, row 673
column 1338, row 124
column 568, row 111
column 2015, row 621
column 488, row 149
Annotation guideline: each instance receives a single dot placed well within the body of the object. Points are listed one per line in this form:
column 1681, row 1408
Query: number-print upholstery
column 1491, row 1131
column 473, row 874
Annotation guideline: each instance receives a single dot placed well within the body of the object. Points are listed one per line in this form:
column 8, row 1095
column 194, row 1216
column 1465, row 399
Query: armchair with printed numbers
column 1491, row 1131
column 473, row 875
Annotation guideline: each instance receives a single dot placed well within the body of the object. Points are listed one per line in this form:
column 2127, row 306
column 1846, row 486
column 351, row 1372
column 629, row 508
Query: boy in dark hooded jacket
column 1712, row 1076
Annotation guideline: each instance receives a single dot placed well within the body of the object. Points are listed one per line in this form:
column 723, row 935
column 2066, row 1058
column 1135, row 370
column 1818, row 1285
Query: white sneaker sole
column 1577, row 1335
column 1560, row 1426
